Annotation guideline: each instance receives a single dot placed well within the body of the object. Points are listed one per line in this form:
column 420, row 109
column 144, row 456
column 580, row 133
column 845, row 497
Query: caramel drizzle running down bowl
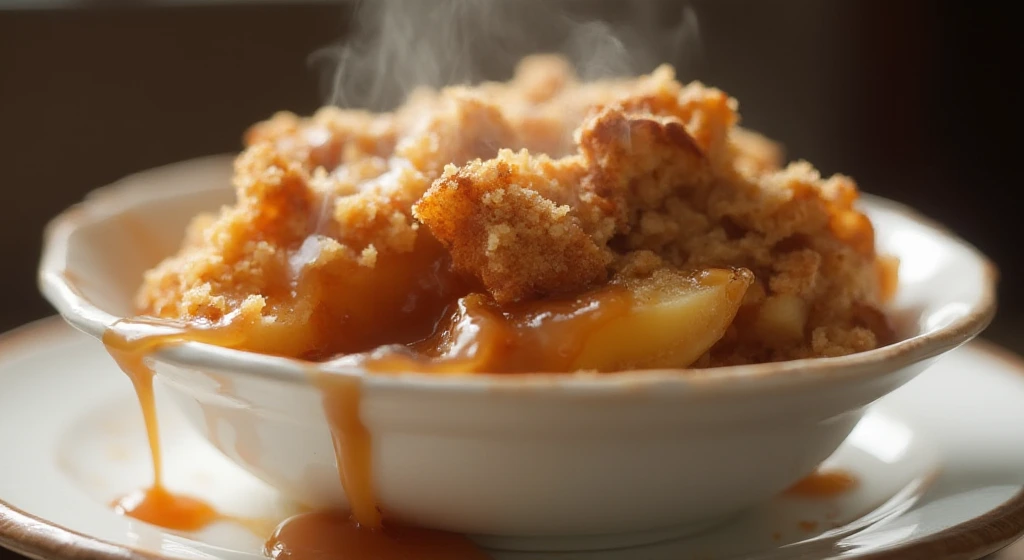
column 317, row 535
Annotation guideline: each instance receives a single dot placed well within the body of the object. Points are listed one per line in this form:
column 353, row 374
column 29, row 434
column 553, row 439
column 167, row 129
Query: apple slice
column 674, row 317
column 666, row 320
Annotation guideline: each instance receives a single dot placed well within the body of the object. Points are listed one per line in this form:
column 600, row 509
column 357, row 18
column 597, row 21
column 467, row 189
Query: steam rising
column 395, row 46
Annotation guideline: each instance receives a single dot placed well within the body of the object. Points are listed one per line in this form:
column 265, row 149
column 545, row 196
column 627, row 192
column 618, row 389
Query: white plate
column 940, row 464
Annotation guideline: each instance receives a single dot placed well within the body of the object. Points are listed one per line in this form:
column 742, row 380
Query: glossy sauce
column 807, row 526
column 473, row 334
column 476, row 335
column 337, row 536
column 356, row 308
column 353, row 450
column 129, row 342
column 157, row 506
column 360, row 535
column 824, row 484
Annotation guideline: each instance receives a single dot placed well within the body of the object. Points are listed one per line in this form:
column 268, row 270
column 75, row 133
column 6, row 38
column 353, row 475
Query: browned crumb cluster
column 354, row 230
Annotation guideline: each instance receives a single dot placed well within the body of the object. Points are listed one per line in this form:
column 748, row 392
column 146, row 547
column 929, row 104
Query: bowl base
column 574, row 543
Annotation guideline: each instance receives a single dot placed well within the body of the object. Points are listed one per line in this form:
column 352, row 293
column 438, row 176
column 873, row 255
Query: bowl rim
column 109, row 200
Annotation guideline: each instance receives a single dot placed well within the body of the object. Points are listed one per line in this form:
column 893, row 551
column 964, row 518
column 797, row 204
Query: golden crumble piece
column 462, row 127
column 379, row 214
column 834, row 341
column 499, row 228
column 753, row 154
column 327, row 139
column 237, row 261
column 638, row 161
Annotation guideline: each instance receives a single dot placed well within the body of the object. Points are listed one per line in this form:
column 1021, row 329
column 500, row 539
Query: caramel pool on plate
column 129, row 343
column 824, row 483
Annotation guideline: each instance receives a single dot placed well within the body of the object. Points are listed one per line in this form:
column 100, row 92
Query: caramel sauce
column 352, row 447
column 888, row 276
column 312, row 536
column 478, row 335
column 807, row 526
column 157, row 506
column 129, row 342
column 331, row 536
column 824, row 484
column 358, row 309
column 473, row 333
column 361, row 534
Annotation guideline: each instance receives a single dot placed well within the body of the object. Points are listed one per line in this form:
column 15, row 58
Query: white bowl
column 536, row 461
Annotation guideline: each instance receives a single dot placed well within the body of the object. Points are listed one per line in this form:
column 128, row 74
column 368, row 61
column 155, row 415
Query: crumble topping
column 354, row 230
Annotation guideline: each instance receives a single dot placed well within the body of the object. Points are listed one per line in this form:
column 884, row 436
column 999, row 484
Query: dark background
column 919, row 100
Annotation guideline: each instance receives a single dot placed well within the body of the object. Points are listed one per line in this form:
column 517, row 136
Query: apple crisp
column 542, row 224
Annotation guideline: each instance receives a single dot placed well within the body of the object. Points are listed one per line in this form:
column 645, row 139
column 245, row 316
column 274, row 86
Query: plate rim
column 35, row 537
